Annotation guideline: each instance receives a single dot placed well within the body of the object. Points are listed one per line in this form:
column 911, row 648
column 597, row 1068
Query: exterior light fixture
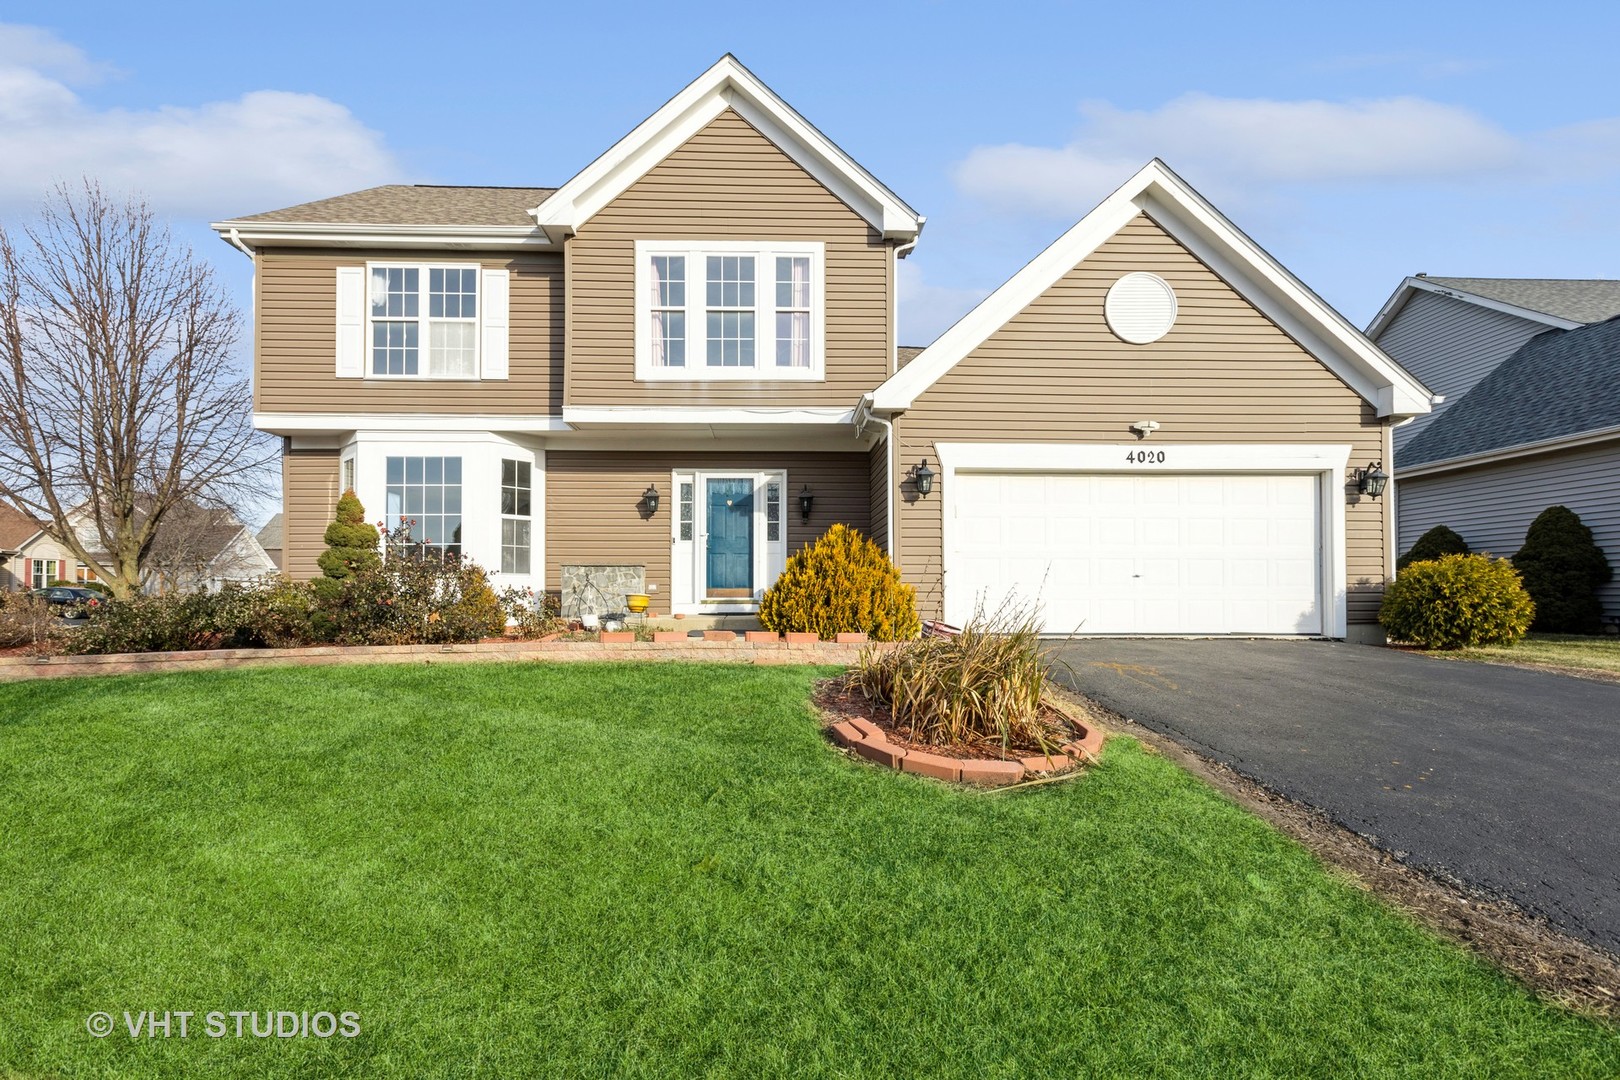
column 806, row 501
column 924, row 477
column 649, row 498
column 1372, row 480
column 1144, row 428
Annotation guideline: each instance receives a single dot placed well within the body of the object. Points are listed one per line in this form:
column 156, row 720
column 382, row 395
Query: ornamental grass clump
column 841, row 584
column 982, row 688
column 1457, row 602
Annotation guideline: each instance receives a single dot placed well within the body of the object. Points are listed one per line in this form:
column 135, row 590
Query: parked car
column 74, row 602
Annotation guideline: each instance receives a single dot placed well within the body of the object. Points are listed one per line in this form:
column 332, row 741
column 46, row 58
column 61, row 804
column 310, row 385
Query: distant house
column 1530, row 370
column 270, row 539
column 196, row 549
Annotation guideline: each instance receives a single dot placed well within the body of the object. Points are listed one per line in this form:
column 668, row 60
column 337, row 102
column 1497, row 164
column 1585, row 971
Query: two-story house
column 683, row 360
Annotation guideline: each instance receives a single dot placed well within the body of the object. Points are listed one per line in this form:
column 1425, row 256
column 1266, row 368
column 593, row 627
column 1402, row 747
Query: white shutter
column 351, row 322
column 497, row 305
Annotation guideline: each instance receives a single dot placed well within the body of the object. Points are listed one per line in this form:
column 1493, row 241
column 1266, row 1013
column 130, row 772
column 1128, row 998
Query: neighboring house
column 1452, row 332
column 16, row 530
column 681, row 365
column 269, row 538
column 1542, row 429
column 195, row 549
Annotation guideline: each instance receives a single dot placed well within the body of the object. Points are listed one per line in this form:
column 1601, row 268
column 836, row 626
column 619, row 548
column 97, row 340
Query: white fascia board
column 1392, row 307
column 257, row 234
column 614, row 414
column 1508, row 453
column 328, row 423
column 1187, row 216
column 725, row 85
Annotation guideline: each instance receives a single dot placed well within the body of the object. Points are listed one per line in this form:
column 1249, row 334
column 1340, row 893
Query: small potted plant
column 637, row 602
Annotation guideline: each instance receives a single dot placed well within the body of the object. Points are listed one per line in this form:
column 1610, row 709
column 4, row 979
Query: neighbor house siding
column 1492, row 506
column 1224, row 374
column 295, row 341
column 592, row 499
column 1450, row 345
column 728, row 182
column 309, row 495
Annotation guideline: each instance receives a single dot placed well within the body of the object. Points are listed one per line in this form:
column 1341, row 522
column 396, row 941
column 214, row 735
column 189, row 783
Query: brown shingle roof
column 15, row 527
column 908, row 353
column 416, row 204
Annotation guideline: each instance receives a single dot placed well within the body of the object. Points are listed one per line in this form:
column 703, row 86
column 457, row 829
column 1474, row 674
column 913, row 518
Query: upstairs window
column 729, row 310
column 417, row 309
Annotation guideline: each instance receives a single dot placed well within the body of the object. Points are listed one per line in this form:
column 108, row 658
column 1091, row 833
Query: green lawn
column 1598, row 654
column 659, row 870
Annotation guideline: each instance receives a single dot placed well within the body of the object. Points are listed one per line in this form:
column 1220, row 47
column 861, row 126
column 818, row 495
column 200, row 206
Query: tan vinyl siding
column 1224, row 374
column 295, row 341
column 728, row 182
column 1492, row 506
column 877, row 467
column 592, row 496
column 309, row 495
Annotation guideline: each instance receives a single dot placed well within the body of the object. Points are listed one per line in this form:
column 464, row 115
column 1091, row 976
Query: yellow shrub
column 843, row 583
column 1457, row 602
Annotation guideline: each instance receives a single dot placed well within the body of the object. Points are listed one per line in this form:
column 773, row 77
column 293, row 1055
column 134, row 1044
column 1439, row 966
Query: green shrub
column 1457, row 601
column 351, row 541
column 170, row 622
column 279, row 615
column 415, row 596
column 532, row 615
column 1562, row 568
column 982, row 687
column 843, row 583
column 1436, row 542
column 25, row 620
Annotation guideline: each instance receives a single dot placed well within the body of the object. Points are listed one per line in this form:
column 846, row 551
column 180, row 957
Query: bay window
column 417, row 308
column 516, row 515
column 424, row 494
column 729, row 310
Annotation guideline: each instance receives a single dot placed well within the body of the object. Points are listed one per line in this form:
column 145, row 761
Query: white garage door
column 1131, row 554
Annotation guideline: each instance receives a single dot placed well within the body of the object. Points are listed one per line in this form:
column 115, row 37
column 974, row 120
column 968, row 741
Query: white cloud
column 263, row 150
column 1238, row 146
column 927, row 310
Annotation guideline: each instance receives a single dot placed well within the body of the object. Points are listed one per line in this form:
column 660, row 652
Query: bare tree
column 119, row 398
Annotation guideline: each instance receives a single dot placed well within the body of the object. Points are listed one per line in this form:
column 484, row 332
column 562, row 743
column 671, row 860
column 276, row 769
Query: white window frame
column 424, row 322
column 49, row 566
column 697, row 369
column 688, row 558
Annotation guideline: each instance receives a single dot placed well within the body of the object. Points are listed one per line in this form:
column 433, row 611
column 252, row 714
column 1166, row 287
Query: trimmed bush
column 1456, row 602
column 841, row 584
column 1562, row 568
column 351, row 541
column 1438, row 541
column 415, row 596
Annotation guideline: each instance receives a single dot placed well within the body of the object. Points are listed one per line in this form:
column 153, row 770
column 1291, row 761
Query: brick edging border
column 872, row 743
column 734, row 651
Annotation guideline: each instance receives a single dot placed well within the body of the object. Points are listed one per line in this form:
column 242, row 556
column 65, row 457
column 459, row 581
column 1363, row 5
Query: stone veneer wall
column 599, row 589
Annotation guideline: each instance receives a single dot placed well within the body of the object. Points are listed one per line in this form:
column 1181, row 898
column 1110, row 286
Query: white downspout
column 900, row 252
column 888, row 474
column 236, row 241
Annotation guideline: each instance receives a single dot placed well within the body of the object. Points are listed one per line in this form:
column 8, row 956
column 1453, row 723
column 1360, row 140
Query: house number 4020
column 1145, row 457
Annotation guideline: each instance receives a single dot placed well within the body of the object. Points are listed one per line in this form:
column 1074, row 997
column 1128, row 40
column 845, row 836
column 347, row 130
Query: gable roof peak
column 726, row 84
column 1156, row 190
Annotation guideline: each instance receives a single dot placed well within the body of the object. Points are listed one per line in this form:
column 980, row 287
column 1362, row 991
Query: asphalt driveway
column 1505, row 778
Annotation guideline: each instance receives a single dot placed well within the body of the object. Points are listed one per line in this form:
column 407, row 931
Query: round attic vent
column 1140, row 308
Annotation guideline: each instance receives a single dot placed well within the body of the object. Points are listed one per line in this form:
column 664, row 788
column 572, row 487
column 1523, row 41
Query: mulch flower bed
column 867, row 727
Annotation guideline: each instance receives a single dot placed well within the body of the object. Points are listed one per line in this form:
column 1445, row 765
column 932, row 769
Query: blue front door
column 731, row 537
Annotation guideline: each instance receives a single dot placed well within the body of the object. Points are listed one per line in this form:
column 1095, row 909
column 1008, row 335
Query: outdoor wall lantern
column 924, row 477
column 806, row 501
column 1372, row 480
column 649, row 499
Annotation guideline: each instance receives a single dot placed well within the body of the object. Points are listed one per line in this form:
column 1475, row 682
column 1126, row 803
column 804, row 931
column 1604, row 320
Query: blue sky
column 1357, row 143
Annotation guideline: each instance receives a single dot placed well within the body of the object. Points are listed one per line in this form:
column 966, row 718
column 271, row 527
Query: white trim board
column 1403, row 292
column 1191, row 220
column 315, row 423
column 725, row 85
column 257, row 234
column 1329, row 461
column 676, row 414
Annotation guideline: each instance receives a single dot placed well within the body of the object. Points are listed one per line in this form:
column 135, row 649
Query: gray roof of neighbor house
column 270, row 536
column 15, row 527
column 1563, row 382
column 416, row 204
column 908, row 353
column 1586, row 300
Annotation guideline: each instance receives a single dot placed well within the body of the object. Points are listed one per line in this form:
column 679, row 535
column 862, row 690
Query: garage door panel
column 1131, row 553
